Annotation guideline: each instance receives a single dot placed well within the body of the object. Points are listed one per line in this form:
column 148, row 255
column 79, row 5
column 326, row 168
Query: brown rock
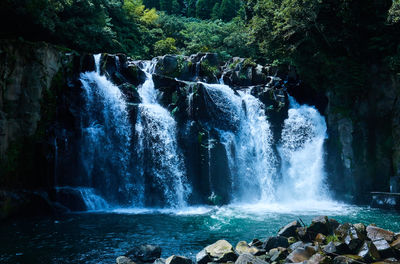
column 298, row 255
column 320, row 238
column 376, row 233
column 289, row 230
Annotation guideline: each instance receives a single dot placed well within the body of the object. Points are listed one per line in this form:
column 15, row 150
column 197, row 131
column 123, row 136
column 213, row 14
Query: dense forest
column 342, row 38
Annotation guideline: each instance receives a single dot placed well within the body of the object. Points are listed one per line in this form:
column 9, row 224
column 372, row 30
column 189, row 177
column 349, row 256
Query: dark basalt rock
column 349, row 234
column 368, row 252
column 178, row 260
column 144, row 253
column 376, row 233
column 274, row 242
column 321, row 225
column 289, row 230
column 299, row 255
column 384, row 249
column 336, row 248
column 249, row 259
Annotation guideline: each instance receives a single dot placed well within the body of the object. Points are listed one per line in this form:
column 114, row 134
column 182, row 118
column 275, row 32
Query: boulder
column 384, row 249
column 278, row 254
column 321, row 225
column 336, row 248
column 144, row 253
column 376, row 233
column 319, row 259
column 368, row 252
column 220, row 251
column 242, row 247
column 320, row 238
column 396, row 244
column 159, row 261
column 124, row 260
column 302, row 234
column 289, row 230
column 298, row 255
column 256, row 243
column 349, row 234
column 298, row 244
column 344, row 260
column 249, row 259
column 178, row 260
column 274, row 242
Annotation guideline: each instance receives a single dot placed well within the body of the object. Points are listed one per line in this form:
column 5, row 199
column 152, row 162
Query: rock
column 298, row 255
column 278, row 254
column 361, row 229
column 384, row 249
column 249, row 259
column 320, row 238
column 274, row 242
column 124, row 260
column 220, row 251
column 349, row 234
column 336, row 248
column 368, row 252
column 396, row 244
column 333, row 223
column 321, row 225
column 289, row 230
column 292, row 240
column 302, row 234
column 376, row 233
column 242, row 247
column 144, row 253
column 298, row 244
column 256, row 243
column 178, row 260
column 319, row 259
column 202, row 257
column 159, row 261
column 343, row 260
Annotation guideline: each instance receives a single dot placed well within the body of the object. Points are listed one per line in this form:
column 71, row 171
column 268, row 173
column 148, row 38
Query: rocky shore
column 324, row 241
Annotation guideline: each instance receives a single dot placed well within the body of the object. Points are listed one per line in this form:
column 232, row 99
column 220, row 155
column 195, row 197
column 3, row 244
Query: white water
column 106, row 134
column 302, row 154
column 157, row 135
column 251, row 160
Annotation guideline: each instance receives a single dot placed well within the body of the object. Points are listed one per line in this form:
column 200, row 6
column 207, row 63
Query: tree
column 215, row 12
column 165, row 46
column 229, row 9
column 203, row 9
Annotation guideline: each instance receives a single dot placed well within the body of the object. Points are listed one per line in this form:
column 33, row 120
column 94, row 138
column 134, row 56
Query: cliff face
column 27, row 98
column 364, row 135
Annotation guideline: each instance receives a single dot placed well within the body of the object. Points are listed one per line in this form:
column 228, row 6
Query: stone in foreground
column 144, row 253
column 177, row 260
column 221, row 251
column 249, row 259
column 124, row 260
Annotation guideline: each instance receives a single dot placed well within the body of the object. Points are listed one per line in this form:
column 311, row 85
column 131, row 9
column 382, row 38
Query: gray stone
column 289, row 230
column 384, row 249
column 369, row 252
column 376, row 233
column 298, row 255
column 220, row 251
column 242, row 247
column 249, row 259
column 274, row 242
column 144, row 253
column 178, row 260
column 124, row 260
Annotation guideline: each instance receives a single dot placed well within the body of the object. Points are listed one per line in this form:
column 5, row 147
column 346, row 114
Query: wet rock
column 336, row 248
column 368, row 252
column 167, row 65
column 220, row 251
column 333, row 223
column 144, row 253
column 249, row 259
column 376, row 233
column 178, row 260
column 302, row 234
column 320, row 238
column 159, row 261
column 321, row 225
column 278, row 254
column 298, row 255
column 274, row 242
column 256, row 243
column 124, row 260
column 319, row 259
column 289, row 230
column 242, row 247
column 349, row 234
column 361, row 229
column 343, row 260
column 384, row 249
column 396, row 244
column 298, row 244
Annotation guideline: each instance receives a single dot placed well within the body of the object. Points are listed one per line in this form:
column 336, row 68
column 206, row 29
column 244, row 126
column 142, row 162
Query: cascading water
column 106, row 134
column 159, row 157
column 301, row 151
column 248, row 146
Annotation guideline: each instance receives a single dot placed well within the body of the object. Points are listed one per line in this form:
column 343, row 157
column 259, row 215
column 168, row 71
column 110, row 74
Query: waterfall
column 106, row 134
column 302, row 152
column 159, row 157
column 249, row 146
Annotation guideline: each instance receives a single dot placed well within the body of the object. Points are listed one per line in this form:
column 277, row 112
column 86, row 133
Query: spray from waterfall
column 302, row 154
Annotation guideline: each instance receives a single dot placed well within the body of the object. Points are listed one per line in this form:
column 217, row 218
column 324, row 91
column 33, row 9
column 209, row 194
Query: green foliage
column 165, row 46
column 332, row 238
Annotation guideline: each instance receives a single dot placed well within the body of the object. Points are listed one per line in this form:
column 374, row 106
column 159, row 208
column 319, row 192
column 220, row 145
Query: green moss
column 247, row 63
column 208, row 70
column 332, row 238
